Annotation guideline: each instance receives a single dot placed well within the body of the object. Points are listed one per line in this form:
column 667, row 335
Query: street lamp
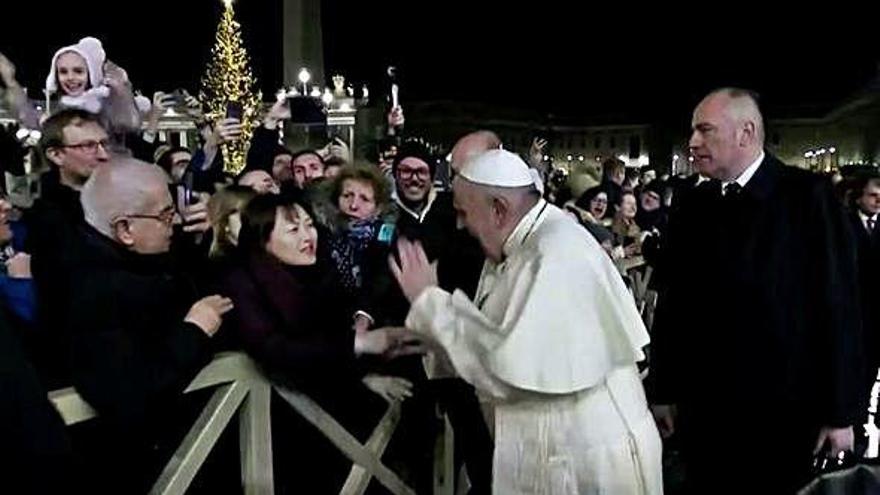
column 304, row 78
column 327, row 97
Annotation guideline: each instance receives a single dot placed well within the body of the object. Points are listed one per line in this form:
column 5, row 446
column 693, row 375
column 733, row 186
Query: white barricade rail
column 241, row 386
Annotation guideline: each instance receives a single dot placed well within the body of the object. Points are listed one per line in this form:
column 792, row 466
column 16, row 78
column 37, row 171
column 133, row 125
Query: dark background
column 620, row 62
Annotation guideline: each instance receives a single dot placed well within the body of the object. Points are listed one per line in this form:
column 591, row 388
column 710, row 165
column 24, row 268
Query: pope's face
column 478, row 215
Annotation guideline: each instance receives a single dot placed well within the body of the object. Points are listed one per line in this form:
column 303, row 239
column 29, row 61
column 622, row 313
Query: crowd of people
column 495, row 294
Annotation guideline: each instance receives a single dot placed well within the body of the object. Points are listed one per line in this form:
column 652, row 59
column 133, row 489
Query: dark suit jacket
column 132, row 356
column 459, row 260
column 54, row 244
column 757, row 325
column 132, row 352
column 868, row 255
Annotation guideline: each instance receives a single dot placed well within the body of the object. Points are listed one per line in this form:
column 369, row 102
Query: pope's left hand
column 414, row 273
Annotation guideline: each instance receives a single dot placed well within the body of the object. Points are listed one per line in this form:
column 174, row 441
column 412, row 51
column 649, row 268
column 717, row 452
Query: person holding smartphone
column 265, row 152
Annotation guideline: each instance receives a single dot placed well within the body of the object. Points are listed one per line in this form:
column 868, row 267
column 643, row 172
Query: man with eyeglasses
column 139, row 332
column 73, row 144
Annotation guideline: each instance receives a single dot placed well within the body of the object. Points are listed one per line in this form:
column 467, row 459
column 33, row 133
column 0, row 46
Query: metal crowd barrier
column 241, row 386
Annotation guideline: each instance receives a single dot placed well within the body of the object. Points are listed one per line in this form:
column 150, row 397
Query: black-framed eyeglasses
column 89, row 146
column 408, row 173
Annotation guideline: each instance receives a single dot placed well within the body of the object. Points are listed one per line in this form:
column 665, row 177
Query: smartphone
column 234, row 110
column 185, row 195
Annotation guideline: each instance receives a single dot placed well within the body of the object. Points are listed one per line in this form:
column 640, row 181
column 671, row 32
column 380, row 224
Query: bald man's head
column 471, row 145
column 742, row 107
column 128, row 201
column 728, row 133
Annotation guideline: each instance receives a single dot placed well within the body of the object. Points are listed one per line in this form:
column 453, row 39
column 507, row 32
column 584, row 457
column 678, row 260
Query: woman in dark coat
column 294, row 321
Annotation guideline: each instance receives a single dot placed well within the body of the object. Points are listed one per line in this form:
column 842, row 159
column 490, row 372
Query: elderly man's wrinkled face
column 85, row 147
column 307, row 168
column 72, row 73
column 413, row 179
column 151, row 228
column 476, row 213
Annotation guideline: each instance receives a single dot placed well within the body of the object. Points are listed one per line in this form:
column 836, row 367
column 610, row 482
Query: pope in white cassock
column 552, row 339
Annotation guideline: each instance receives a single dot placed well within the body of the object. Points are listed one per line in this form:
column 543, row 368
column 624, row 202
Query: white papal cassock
column 552, row 339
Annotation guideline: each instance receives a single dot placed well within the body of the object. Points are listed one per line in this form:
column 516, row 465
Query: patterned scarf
column 347, row 248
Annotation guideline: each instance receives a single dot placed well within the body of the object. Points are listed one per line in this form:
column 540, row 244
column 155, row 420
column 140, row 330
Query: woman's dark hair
column 258, row 219
column 588, row 196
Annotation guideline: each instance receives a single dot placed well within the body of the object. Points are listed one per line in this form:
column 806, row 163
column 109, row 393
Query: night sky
column 578, row 64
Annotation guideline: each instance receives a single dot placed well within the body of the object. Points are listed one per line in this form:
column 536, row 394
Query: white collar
column 527, row 224
column 432, row 195
column 865, row 218
column 747, row 174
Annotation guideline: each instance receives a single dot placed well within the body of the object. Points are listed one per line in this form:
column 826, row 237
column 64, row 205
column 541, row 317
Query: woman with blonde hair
column 224, row 213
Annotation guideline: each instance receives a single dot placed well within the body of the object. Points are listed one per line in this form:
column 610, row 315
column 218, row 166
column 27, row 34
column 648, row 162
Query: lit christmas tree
column 229, row 80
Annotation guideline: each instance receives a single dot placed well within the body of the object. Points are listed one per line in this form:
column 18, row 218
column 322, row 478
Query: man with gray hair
column 552, row 339
column 756, row 334
column 139, row 332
